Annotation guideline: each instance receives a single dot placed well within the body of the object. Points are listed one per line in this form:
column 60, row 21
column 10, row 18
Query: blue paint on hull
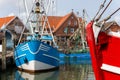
column 38, row 51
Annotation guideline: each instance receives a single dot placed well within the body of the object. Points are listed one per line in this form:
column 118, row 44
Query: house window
column 66, row 30
column 69, row 22
column 75, row 23
column 18, row 29
column 63, row 38
column 72, row 30
column 72, row 17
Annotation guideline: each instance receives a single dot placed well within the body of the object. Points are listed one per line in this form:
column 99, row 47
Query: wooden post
column 4, row 54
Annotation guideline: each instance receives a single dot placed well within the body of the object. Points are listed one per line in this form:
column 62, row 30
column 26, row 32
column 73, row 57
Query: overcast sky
column 62, row 7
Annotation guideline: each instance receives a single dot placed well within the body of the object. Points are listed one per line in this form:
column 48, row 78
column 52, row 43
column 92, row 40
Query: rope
column 104, row 10
column 101, row 6
column 111, row 15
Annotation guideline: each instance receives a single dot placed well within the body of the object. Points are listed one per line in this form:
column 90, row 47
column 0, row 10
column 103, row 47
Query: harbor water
column 71, row 68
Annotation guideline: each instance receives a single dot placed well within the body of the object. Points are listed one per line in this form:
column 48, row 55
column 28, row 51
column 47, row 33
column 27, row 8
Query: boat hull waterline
column 36, row 56
column 105, row 53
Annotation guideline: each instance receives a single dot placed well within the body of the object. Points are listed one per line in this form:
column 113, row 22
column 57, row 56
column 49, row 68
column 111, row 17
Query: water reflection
column 71, row 68
column 74, row 68
column 8, row 74
column 51, row 75
column 76, row 72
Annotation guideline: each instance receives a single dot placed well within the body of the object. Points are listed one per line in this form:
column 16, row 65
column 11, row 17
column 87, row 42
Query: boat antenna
column 103, row 11
column 111, row 15
column 100, row 8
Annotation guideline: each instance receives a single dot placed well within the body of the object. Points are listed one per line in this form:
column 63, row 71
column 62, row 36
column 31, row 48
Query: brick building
column 63, row 27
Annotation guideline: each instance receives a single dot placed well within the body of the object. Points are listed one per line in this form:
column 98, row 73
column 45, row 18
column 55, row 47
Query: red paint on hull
column 106, row 51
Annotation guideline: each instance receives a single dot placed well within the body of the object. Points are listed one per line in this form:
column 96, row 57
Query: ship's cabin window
column 47, row 42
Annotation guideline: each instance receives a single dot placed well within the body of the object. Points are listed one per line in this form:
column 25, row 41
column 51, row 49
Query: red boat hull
column 105, row 54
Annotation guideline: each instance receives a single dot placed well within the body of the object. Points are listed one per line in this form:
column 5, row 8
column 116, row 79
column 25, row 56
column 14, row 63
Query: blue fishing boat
column 37, row 50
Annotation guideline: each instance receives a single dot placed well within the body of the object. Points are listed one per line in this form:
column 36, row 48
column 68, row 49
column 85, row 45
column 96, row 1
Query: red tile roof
column 54, row 20
column 6, row 20
column 62, row 21
column 57, row 21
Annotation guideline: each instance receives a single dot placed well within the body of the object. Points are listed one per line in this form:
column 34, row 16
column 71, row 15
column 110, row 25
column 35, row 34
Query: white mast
column 27, row 15
column 46, row 22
